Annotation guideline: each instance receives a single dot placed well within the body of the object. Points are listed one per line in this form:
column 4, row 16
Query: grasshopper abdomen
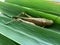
column 39, row 21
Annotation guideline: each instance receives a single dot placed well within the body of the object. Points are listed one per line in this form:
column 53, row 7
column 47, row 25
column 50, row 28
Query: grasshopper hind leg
column 23, row 13
column 8, row 21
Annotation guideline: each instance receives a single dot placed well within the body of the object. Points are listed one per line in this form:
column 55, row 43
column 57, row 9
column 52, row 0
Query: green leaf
column 42, row 5
column 27, row 34
column 23, row 33
column 6, row 41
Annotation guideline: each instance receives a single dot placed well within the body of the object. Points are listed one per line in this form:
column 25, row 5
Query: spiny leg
column 23, row 13
column 16, row 17
column 9, row 21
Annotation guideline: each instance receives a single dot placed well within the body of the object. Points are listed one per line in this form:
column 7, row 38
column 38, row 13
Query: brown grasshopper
column 36, row 21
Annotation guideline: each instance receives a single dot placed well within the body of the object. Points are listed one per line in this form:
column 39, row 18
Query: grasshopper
column 35, row 21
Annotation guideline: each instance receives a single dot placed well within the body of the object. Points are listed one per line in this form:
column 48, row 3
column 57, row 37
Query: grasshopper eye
column 49, row 22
